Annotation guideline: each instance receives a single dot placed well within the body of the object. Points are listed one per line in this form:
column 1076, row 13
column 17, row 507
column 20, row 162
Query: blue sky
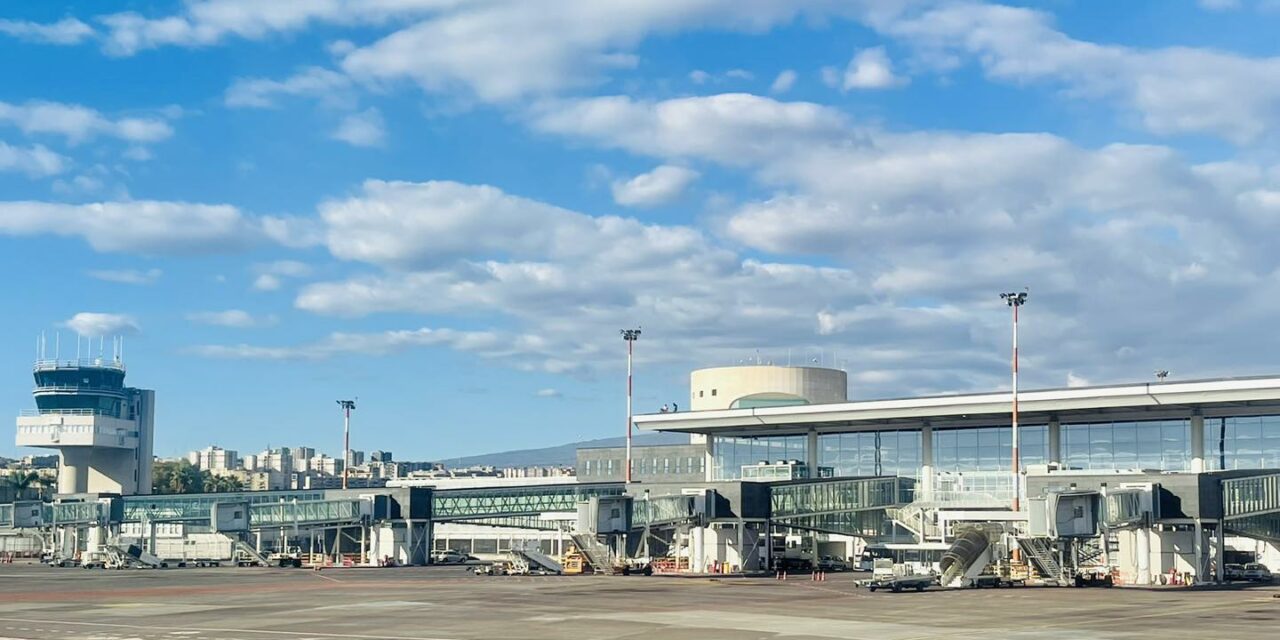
column 450, row 207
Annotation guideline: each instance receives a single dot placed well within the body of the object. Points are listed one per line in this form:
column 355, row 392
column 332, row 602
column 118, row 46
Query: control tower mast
column 101, row 429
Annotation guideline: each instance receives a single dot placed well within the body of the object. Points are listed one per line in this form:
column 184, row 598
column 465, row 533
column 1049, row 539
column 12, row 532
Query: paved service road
column 447, row 603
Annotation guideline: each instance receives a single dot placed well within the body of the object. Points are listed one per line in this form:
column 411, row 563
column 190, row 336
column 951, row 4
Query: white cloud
column 78, row 124
column 233, row 318
column 783, row 82
column 142, row 226
column 271, row 275
column 329, row 86
column 869, row 69
column 293, row 231
column 207, row 22
column 548, row 393
column 733, row 128
column 64, row 32
column 364, row 129
column 1074, row 380
column 127, row 276
column 663, row 185
column 506, row 50
column 1174, row 90
column 367, row 344
column 35, row 161
column 1219, row 5
column 88, row 323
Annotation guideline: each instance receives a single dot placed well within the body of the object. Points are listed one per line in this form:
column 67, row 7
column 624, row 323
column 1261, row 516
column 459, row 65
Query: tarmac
column 448, row 603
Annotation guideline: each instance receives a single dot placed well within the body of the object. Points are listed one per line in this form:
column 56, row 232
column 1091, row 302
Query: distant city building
column 355, row 458
column 40, row 462
column 249, row 462
column 303, row 452
column 214, row 459
column 380, row 456
column 325, row 465
column 276, row 460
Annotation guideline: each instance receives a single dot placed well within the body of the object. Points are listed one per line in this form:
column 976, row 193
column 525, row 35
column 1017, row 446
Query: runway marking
column 292, row 634
column 324, row 577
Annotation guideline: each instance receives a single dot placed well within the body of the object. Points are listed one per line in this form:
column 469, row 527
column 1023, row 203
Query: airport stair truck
column 534, row 557
column 124, row 553
column 967, row 559
column 599, row 558
column 600, row 516
column 1041, row 554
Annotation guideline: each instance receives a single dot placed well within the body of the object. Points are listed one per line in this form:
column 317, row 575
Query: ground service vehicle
column 832, row 563
column 448, row 556
column 896, row 578
column 1257, row 572
column 1231, row 572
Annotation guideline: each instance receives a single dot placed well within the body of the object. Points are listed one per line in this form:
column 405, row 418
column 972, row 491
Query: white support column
column 697, row 553
column 1197, row 443
column 811, row 453
column 926, row 463
column 1144, row 554
column 1198, row 548
column 1220, row 554
column 709, row 457
column 1055, row 440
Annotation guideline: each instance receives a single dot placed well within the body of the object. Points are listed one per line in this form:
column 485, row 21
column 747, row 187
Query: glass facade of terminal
column 1230, row 443
column 1251, row 442
column 732, row 453
column 1155, row 444
column 878, row 453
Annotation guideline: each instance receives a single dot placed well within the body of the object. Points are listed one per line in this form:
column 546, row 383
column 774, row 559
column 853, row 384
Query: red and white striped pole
column 1015, row 300
column 347, row 406
column 1017, row 463
column 630, row 335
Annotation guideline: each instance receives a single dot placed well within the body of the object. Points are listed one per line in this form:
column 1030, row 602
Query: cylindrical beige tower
column 752, row 386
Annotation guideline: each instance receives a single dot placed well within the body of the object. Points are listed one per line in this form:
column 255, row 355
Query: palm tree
column 22, row 481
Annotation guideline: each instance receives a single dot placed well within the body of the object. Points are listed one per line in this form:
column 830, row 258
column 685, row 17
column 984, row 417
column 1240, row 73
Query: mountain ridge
column 559, row 455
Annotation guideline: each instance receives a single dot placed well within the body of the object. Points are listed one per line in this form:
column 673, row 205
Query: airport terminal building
column 1201, row 459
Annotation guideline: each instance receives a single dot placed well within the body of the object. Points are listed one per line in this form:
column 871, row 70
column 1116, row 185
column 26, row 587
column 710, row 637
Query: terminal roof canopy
column 1143, row 401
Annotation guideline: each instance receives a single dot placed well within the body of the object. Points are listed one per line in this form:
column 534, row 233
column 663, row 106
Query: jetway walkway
column 846, row 506
column 487, row 503
column 1251, row 506
column 664, row 511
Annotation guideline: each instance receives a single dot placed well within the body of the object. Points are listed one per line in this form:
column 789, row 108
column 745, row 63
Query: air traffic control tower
column 101, row 428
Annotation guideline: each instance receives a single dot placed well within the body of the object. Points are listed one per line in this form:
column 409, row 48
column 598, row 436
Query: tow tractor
column 896, row 578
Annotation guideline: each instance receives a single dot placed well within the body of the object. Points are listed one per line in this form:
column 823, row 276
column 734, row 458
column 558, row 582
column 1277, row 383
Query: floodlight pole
column 630, row 335
column 347, row 406
column 1015, row 300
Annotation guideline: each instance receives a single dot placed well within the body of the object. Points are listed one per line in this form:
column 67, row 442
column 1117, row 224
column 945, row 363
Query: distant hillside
column 565, row 454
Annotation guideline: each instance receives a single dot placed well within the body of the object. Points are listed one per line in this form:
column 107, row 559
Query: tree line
column 183, row 477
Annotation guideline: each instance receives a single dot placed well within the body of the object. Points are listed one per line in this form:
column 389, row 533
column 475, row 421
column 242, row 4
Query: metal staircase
column 1041, row 555
column 1090, row 552
column 246, row 549
column 599, row 555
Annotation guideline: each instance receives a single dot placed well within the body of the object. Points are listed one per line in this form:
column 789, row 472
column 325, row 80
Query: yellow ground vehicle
column 575, row 563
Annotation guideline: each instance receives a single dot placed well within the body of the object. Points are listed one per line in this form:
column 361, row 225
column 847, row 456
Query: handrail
column 87, row 363
column 67, row 412
column 76, row 387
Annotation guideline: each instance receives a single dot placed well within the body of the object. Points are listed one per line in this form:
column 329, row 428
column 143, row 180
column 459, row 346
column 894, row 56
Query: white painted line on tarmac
column 291, row 634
